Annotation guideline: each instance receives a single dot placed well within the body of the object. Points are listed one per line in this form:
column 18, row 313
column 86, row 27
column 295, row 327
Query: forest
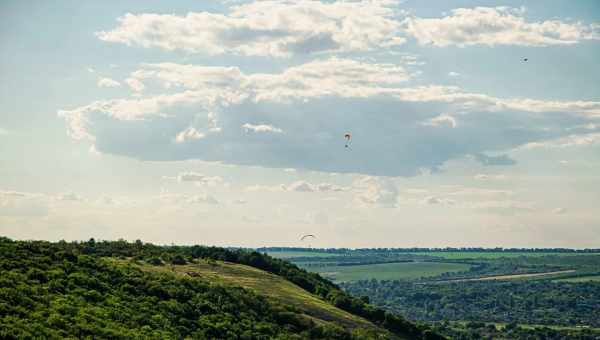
column 77, row 290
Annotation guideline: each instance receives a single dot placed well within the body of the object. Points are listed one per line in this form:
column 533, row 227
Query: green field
column 292, row 254
column 492, row 255
column 388, row 271
column 592, row 278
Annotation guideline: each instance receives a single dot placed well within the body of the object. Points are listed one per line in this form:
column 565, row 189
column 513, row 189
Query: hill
column 127, row 290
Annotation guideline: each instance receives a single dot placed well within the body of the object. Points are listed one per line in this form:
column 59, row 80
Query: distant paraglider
column 348, row 138
column 307, row 236
column 525, row 59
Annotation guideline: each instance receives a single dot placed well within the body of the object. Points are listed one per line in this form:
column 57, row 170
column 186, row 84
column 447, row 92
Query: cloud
column 135, row 84
column 69, row 196
column 204, row 199
column 261, row 128
column 299, row 186
column 188, row 134
column 453, row 74
column 494, row 160
column 434, row 200
column 239, row 201
column 107, row 82
column 188, row 199
column 484, row 177
column 560, row 211
column 371, row 190
column 567, row 141
column 496, row 26
column 442, row 120
column 213, row 114
column 23, row 204
column 266, row 28
column 199, row 179
column 506, row 208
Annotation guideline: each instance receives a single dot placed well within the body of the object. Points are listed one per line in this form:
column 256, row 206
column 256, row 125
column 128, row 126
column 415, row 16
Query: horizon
column 239, row 123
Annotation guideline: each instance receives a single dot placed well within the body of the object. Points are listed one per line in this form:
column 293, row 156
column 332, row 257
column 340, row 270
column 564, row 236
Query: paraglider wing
column 308, row 235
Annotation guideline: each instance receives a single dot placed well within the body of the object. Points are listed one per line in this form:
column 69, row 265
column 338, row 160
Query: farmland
column 389, row 271
column 483, row 294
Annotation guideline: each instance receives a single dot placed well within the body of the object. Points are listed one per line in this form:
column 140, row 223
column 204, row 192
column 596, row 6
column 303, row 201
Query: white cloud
column 199, row 179
column 189, row 133
column 69, row 196
column 496, row 26
column 135, row 84
column 300, row 186
column 441, row 120
column 312, row 102
column 205, row 199
column 375, row 190
column 261, row 128
column 108, row 82
column 266, row 28
column 453, row 74
column 567, row 141
column 485, row 177
column 434, row 200
column 560, row 211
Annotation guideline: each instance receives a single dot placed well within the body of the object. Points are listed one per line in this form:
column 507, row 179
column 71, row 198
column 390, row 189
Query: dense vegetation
column 522, row 301
column 536, row 294
column 77, row 290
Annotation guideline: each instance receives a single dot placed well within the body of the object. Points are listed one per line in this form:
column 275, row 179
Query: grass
column 388, row 271
column 492, row 255
column 591, row 278
column 277, row 289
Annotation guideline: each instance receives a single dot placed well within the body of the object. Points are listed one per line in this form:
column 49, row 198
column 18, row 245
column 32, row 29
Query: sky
column 472, row 123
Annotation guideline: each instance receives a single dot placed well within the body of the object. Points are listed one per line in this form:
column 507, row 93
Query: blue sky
column 224, row 122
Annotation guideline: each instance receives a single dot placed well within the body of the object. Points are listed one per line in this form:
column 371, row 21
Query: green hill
column 122, row 290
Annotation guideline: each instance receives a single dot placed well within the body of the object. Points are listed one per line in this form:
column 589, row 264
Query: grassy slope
column 266, row 284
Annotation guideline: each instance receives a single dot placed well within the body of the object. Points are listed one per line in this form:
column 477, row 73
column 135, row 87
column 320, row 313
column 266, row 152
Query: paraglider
column 525, row 59
column 307, row 236
column 348, row 138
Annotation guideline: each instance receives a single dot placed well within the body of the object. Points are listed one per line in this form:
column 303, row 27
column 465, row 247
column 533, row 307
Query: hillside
column 135, row 290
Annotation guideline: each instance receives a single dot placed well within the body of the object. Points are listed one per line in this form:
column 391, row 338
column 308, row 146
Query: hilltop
column 137, row 290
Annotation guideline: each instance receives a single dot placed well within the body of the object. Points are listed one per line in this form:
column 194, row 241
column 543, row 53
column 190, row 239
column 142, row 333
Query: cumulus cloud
column 370, row 190
column 496, row 26
column 108, row 82
column 266, row 28
column 223, row 114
